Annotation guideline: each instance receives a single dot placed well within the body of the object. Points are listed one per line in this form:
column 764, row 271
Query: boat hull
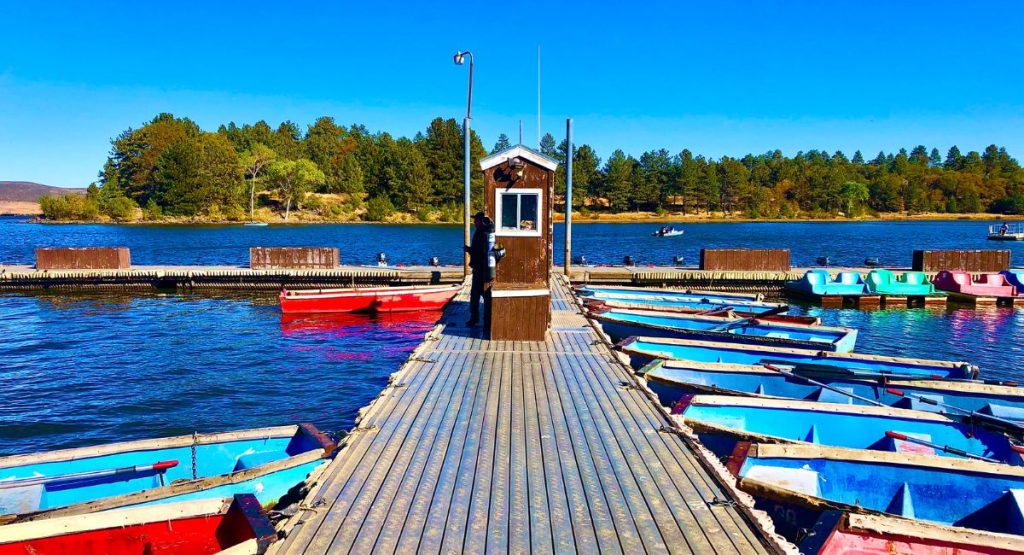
column 713, row 308
column 622, row 324
column 376, row 300
column 611, row 292
column 198, row 527
column 266, row 462
column 722, row 423
column 843, row 533
column 671, row 380
column 802, row 481
column 642, row 350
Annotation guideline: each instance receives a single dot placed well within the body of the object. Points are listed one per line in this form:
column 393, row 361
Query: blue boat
column 620, row 324
column 819, row 283
column 643, row 350
column 723, row 422
column 687, row 305
column 266, row 462
column 671, row 380
column 626, row 293
column 796, row 483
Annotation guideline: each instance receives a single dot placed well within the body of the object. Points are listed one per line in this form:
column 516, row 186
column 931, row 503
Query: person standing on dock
column 482, row 279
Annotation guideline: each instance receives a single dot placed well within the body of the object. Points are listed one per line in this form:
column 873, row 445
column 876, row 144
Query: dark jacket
column 478, row 250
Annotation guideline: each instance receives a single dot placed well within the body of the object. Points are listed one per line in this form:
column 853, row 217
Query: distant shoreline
column 577, row 218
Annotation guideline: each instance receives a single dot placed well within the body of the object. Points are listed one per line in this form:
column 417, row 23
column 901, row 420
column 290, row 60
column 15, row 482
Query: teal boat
column 722, row 422
column 905, row 284
column 819, row 283
column 265, row 462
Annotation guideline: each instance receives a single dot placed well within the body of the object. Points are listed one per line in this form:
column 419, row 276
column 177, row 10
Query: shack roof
column 520, row 151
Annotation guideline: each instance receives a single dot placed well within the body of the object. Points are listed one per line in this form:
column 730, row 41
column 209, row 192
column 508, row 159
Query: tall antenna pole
column 538, row 96
column 520, row 132
column 568, row 196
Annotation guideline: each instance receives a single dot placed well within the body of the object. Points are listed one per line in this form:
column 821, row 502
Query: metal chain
column 195, row 440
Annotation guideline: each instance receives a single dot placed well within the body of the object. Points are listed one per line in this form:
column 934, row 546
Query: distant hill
column 27, row 191
column 22, row 197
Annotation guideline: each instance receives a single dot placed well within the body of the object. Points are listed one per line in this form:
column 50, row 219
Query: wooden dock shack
column 521, row 446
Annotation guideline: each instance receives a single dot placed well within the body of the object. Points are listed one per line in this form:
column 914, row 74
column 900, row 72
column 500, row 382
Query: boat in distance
column 961, row 400
column 368, row 300
column 267, row 462
column 796, row 483
column 642, row 350
column 232, row 526
column 722, row 423
column 621, row 324
column 844, row 533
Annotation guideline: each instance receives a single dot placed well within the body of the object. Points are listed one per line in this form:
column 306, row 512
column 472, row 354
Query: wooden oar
column 973, row 414
column 744, row 321
column 789, row 374
column 161, row 467
column 946, row 448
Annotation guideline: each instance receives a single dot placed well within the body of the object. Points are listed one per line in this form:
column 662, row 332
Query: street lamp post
column 459, row 58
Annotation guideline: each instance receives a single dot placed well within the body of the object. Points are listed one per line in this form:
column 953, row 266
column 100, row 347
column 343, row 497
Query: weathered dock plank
column 509, row 446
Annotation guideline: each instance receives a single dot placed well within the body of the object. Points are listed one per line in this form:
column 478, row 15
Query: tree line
column 169, row 167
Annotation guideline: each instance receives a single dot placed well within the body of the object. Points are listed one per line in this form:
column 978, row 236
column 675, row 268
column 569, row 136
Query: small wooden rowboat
column 267, row 462
column 620, row 324
column 723, row 422
column 643, row 350
column 843, row 533
column 376, row 299
column 764, row 311
column 999, row 406
column 796, row 483
column 625, row 292
column 230, row 526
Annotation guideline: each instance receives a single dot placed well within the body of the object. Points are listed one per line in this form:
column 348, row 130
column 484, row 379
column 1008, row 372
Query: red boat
column 839, row 533
column 195, row 527
column 370, row 300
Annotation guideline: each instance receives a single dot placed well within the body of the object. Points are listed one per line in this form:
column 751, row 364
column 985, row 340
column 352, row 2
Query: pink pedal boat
column 990, row 287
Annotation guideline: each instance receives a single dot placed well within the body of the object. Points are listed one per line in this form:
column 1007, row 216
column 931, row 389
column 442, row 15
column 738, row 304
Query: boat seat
column 1005, row 514
column 797, row 479
column 251, row 460
column 902, row 503
column 25, row 499
column 1003, row 411
column 900, row 446
column 829, row 396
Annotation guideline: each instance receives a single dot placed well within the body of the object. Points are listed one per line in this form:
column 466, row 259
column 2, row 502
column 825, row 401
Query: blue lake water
column 88, row 368
column 845, row 243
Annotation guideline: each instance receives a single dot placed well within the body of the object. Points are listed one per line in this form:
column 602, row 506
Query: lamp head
column 459, row 57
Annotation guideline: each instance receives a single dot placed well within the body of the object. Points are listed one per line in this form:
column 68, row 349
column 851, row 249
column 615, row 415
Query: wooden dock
column 498, row 447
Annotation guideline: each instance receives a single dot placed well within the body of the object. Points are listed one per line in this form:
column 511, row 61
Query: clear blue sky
column 721, row 78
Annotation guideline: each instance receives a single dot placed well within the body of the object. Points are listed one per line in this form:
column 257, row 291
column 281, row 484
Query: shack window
column 519, row 212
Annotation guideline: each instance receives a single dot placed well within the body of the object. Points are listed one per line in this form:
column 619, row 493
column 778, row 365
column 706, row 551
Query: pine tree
column 503, row 144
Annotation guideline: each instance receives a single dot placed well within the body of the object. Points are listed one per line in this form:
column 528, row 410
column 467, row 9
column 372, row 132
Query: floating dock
column 513, row 447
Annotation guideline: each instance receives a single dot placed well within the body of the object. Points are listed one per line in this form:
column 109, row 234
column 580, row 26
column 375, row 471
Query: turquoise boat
column 905, row 284
column 723, row 422
column 620, row 324
column 265, row 462
column 961, row 400
column 819, row 283
column 796, row 483
column 642, row 350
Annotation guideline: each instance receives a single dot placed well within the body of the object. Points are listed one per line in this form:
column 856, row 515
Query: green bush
column 152, row 211
column 379, row 208
column 69, row 207
column 121, row 209
column 451, row 213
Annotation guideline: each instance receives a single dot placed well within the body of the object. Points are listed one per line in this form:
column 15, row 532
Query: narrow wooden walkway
column 512, row 447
